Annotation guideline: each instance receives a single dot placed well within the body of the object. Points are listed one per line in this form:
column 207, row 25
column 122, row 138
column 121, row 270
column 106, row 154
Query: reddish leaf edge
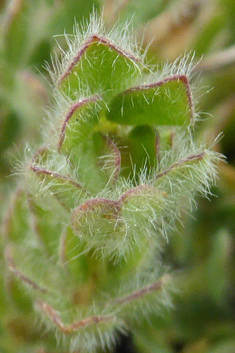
column 94, row 38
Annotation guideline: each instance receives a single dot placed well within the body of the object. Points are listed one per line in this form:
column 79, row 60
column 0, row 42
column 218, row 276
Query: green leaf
column 167, row 102
column 113, row 220
column 97, row 216
column 140, row 208
column 140, row 152
column 46, row 229
column 100, row 217
column 183, row 168
column 79, row 123
column 72, row 257
column 67, row 191
column 100, row 65
column 108, row 157
column 85, row 269
column 97, row 158
column 60, row 186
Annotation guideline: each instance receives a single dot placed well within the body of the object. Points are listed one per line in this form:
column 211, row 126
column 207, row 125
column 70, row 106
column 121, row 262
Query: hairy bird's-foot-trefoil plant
column 97, row 200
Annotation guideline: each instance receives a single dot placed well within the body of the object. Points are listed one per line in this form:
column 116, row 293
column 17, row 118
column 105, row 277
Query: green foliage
column 166, row 103
column 117, row 168
column 26, row 42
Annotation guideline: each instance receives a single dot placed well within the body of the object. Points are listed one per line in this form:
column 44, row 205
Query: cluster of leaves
column 203, row 317
column 117, row 166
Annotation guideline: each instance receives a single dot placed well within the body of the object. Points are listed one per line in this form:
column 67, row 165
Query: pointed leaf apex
column 95, row 38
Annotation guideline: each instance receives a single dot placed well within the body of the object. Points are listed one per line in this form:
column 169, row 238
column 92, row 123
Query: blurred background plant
column 203, row 252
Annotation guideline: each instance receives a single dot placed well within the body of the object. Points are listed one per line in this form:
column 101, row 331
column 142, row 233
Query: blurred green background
column 202, row 253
